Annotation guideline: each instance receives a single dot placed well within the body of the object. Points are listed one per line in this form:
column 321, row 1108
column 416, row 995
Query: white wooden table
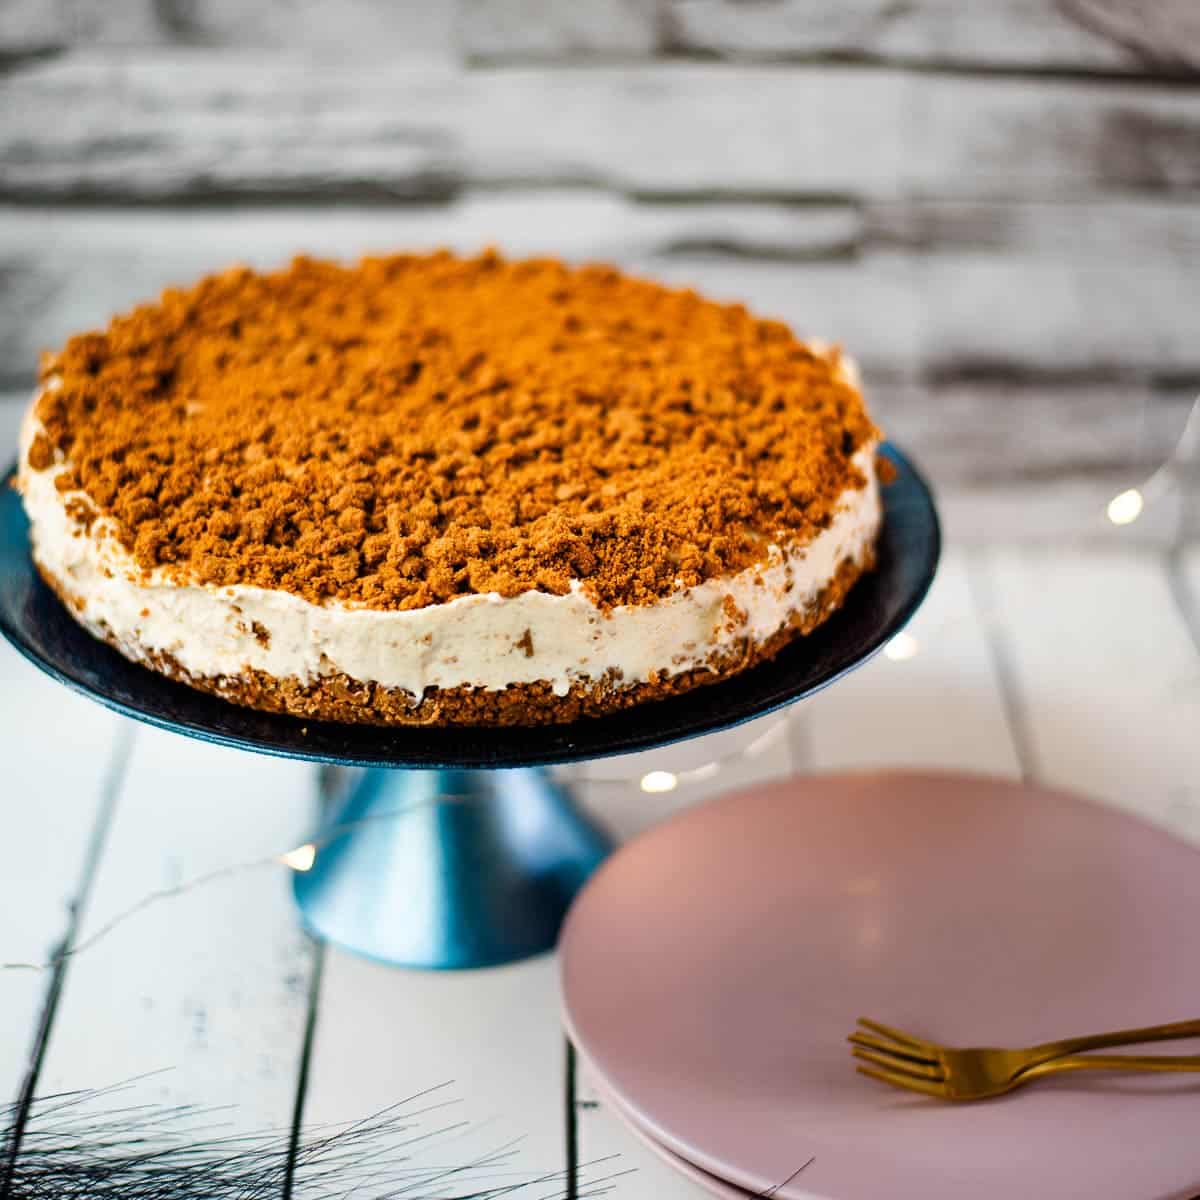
column 992, row 205
column 1079, row 669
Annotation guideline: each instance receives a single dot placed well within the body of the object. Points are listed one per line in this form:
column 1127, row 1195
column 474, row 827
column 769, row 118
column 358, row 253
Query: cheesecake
column 443, row 490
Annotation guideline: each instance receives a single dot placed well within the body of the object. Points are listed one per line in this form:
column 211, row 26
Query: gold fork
column 976, row 1072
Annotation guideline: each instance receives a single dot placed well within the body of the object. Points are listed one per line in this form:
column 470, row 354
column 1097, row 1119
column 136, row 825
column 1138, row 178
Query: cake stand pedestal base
column 448, row 868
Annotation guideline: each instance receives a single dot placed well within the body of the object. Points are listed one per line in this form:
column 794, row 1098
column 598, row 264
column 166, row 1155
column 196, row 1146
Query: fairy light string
column 1127, row 506
column 299, row 858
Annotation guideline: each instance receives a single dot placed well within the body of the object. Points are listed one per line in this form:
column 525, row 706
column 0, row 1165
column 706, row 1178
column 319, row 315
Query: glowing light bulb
column 659, row 781
column 300, row 859
column 902, row 647
column 1126, row 507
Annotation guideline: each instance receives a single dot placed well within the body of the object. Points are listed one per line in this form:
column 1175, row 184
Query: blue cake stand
column 455, row 847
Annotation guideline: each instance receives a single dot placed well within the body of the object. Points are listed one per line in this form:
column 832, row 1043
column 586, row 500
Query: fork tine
column 907, row 1082
column 893, row 1048
column 896, row 1035
column 904, row 1065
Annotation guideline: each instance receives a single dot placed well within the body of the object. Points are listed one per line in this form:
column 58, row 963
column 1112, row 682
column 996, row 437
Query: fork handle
column 1115, row 1062
column 1120, row 1037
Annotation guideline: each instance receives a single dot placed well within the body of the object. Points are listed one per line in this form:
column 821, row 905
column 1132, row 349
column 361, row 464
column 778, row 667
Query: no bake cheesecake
column 442, row 490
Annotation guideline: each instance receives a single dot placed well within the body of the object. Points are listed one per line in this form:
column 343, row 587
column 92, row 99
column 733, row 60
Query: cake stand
column 455, row 847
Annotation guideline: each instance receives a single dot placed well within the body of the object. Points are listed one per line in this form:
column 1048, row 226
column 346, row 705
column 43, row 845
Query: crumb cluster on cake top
column 413, row 428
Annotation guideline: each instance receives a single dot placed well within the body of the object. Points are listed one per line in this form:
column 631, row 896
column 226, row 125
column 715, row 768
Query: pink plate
column 713, row 968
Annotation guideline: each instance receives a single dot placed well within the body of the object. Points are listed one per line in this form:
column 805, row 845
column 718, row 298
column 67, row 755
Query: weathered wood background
column 994, row 204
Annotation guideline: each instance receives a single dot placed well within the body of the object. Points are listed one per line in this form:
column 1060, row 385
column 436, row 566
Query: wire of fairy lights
column 1127, row 506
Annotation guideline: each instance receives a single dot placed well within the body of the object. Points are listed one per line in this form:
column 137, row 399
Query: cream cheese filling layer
column 477, row 641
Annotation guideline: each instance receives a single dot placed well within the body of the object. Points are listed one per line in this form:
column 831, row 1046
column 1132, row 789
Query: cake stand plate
column 499, row 848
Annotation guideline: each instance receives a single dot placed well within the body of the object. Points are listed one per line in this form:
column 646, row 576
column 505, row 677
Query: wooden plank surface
column 1133, row 37
column 188, row 123
column 407, row 28
column 489, row 1041
column 499, row 30
column 1183, row 810
column 1120, row 36
column 1105, row 674
column 937, row 705
column 1189, row 567
column 54, row 806
column 1160, row 32
column 208, row 987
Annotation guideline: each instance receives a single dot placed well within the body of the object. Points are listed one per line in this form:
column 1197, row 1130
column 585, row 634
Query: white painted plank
column 173, row 123
column 947, row 313
column 544, row 29
column 940, row 708
column 577, row 222
column 29, row 25
column 1052, row 512
column 57, row 750
column 1106, row 674
column 994, row 33
column 1183, row 811
column 1163, row 32
column 492, row 1037
column 401, row 28
column 1190, row 560
column 1189, row 525
column 38, row 26
column 1109, row 35
column 1039, row 462
column 209, row 986
column 1190, row 557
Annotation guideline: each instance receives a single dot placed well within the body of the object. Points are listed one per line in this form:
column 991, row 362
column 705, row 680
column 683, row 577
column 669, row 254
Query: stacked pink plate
column 713, row 968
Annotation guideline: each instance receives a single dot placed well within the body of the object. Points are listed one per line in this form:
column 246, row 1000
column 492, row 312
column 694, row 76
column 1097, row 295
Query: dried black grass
column 92, row 1145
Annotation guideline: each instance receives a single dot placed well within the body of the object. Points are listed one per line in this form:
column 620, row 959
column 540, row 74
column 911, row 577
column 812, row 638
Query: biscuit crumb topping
column 413, row 428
